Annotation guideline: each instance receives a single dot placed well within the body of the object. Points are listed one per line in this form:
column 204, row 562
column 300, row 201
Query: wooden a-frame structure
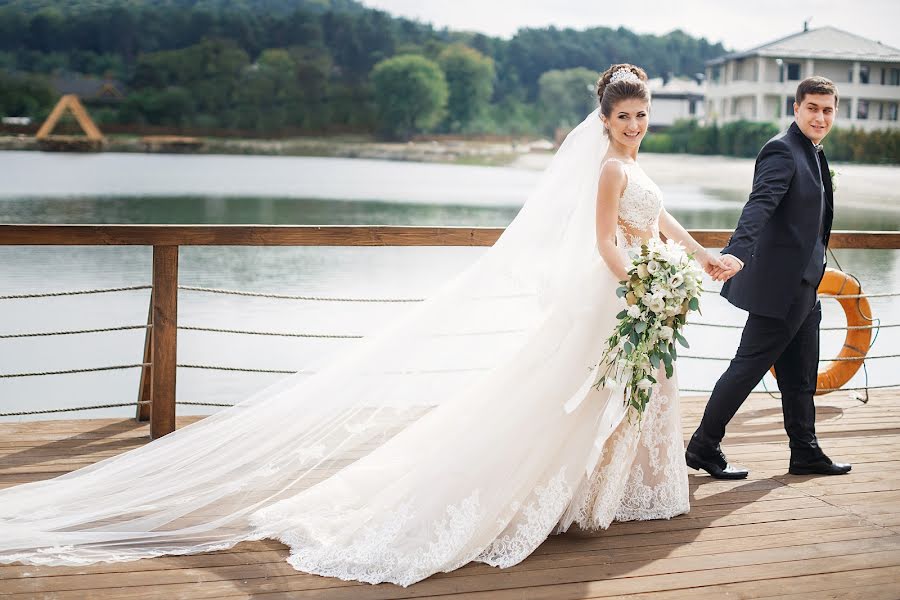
column 71, row 103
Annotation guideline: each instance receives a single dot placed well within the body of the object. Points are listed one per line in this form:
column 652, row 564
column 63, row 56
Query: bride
column 467, row 431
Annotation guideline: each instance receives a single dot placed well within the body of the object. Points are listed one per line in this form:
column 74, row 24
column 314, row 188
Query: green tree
column 410, row 93
column 25, row 96
column 470, row 82
column 212, row 72
column 566, row 96
column 268, row 93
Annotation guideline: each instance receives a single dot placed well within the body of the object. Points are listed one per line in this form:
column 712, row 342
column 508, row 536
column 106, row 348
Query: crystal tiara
column 624, row 75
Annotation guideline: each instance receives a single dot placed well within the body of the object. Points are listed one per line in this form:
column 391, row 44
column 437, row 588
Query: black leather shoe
column 820, row 466
column 713, row 461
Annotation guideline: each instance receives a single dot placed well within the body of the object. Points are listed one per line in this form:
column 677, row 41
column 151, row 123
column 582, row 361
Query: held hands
column 720, row 268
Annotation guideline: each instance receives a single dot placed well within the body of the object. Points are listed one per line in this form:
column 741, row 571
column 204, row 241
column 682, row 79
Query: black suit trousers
column 792, row 345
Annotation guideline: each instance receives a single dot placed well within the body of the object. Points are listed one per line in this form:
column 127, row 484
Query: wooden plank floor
column 773, row 535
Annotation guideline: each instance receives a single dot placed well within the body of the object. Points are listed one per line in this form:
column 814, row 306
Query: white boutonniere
column 833, row 175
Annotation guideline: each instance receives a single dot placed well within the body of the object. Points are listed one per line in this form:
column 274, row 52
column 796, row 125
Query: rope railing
column 313, row 298
column 73, row 371
column 215, row 368
column 301, row 372
column 46, row 411
column 841, row 389
column 9, row 336
column 293, row 296
column 325, row 336
column 342, row 336
column 349, row 336
column 838, row 296
column 245, row 369
column 75, row 292
column 834, row 328
column 860, row 358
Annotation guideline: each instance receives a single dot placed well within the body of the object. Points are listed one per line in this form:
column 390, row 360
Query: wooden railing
column 156, row 400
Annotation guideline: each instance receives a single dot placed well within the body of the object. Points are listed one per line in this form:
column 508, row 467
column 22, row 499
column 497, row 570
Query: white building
column 759, row 84
column 674, row 99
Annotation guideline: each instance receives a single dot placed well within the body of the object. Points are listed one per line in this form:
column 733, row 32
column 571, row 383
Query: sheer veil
column 199, row 488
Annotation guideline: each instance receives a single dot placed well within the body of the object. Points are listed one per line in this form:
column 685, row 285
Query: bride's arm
column 609, row 190
column 672, row 229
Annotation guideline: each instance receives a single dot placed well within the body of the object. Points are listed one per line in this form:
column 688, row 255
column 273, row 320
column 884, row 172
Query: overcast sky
column 738, row 24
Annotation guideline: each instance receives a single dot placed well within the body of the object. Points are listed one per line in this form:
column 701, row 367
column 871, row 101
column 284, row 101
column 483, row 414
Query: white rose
column 634, row 311
column 652, row 266
column 676, row 280
column 656, row 304
column 644, row 384
column 666, row 332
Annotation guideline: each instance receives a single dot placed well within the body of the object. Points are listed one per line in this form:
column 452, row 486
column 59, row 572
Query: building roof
column 675, row 88
column 87, row 88
column 820, row 43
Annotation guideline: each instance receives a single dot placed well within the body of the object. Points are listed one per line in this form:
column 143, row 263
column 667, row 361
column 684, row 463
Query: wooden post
column 165, row 320
column 145, row 390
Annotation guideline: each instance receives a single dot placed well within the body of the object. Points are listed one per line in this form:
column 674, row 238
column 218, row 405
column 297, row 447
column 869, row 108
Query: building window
column 692, row 107
column 862, row 110
column 789, row 106
column 893, row 76
column 793, row 71
column 844, row 110
column 717, row 74
column 864, row 74
column 891, row 111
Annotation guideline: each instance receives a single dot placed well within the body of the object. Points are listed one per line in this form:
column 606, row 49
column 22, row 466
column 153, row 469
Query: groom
column 773, row 264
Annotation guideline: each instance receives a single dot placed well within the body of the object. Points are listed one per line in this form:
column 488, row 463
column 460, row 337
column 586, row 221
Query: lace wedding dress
column 467, row 431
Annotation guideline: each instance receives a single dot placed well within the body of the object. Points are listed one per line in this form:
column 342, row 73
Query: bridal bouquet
column 664, row 285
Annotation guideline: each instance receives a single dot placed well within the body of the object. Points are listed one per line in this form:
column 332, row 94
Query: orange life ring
column 857, row 341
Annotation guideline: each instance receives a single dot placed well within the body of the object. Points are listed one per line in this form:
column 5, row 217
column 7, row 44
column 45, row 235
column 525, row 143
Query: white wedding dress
column 467, row 431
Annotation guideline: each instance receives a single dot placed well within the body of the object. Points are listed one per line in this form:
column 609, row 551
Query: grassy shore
column 443, row 151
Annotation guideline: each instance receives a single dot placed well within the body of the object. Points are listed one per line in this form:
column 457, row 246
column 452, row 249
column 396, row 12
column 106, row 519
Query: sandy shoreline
column 857, row 185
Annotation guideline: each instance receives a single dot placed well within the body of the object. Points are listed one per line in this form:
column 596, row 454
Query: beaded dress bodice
column 639, row 207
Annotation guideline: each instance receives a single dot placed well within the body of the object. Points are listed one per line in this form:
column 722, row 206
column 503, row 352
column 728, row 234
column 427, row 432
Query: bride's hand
column 711, row 263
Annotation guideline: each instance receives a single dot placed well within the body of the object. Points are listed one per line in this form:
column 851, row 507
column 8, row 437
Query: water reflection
column 403, row 272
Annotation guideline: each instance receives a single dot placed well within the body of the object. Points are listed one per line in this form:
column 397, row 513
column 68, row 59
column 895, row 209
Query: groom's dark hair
column 816, row 85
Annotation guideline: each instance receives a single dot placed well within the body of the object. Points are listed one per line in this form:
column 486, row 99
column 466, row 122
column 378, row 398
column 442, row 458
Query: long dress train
column 467, row 431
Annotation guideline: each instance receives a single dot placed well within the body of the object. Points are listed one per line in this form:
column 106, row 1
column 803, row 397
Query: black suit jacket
column 776, row 233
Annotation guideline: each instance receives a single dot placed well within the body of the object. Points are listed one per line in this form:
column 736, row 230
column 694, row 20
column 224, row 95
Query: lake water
column 133, row 188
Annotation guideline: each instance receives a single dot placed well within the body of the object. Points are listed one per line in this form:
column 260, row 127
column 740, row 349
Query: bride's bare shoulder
column 613, row 177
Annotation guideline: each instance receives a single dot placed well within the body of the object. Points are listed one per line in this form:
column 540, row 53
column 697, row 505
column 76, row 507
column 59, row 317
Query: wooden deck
column 772, row 536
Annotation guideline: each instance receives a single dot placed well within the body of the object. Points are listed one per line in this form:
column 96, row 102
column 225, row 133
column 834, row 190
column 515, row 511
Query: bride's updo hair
column 610, row 93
